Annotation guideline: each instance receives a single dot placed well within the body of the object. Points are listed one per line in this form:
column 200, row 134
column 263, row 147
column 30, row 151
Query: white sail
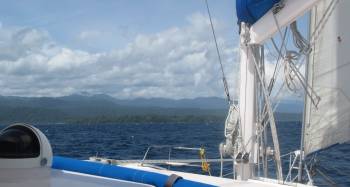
column 328, row 73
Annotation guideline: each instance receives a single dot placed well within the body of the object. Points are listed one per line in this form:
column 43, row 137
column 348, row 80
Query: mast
column 250, row 78
column 246, row 158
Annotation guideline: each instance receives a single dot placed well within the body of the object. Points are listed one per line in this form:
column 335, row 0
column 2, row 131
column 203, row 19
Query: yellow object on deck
column 205, row 164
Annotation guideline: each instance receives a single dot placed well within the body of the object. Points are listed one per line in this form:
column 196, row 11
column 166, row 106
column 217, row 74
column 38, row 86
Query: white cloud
column 174, row 63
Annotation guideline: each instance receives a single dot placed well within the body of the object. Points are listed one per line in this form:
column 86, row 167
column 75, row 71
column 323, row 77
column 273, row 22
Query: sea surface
column 130, row 141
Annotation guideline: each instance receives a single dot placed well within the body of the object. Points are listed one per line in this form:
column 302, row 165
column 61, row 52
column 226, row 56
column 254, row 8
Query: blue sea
column 130, row 141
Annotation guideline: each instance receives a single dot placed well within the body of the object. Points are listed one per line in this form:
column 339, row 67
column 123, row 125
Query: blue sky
column 118, row 21
column 127, row 49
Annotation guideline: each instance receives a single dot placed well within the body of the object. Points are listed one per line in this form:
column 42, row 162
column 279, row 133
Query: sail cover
column 249, row 11
column 328, row 73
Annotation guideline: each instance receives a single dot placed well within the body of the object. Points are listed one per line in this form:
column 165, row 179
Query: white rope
column 289, row 72
column 292, row 71
column 299, row 41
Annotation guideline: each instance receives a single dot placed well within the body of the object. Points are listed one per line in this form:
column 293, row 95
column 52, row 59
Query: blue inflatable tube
column 118, row 172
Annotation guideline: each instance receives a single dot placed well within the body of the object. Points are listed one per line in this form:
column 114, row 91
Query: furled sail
column 328, row 73
column 249, row 11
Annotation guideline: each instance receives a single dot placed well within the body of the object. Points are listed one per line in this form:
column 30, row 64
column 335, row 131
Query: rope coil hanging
column 289, row 73
column 299, row 41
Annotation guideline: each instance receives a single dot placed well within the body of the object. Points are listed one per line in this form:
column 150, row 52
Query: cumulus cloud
column 178, row 62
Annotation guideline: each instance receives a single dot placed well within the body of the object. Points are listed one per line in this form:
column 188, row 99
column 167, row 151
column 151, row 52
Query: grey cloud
column 176, row 63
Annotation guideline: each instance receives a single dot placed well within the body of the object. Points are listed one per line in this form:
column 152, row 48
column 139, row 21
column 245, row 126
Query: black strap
column 171, row 180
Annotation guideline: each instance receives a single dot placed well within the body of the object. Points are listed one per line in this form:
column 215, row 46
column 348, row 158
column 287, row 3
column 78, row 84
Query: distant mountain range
column 106, row 109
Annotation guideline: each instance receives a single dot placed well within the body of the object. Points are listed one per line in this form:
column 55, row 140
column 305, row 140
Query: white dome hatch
column 24, row 146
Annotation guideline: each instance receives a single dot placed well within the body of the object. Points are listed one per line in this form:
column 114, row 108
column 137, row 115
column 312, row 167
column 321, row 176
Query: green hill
column 106, row 109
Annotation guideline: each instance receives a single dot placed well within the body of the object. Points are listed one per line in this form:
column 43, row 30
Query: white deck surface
column 217, row 181
column 56, row 178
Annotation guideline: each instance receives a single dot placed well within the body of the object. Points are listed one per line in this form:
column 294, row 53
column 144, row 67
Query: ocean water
column 130, row 141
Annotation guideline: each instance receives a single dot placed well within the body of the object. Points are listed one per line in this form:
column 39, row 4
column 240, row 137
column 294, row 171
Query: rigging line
column 224, row 80
column 327, row 178
column 279, row 30
column 276, row 8
column 299, row 41
column 327, row 14
column 302, row 80
column 280, row 54
column 270, row 52
column 295, row 30
column 277, row 66
column 289, row 59
column 306, row 87
column 279, row 91
column 271, row 118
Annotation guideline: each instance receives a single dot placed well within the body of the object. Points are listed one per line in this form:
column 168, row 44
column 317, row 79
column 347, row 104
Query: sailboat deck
column 217, row 181
column 39, row 177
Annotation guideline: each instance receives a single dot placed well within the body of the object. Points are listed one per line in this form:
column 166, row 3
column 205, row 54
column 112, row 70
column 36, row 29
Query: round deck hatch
column 19, row 142
column 24, row 146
